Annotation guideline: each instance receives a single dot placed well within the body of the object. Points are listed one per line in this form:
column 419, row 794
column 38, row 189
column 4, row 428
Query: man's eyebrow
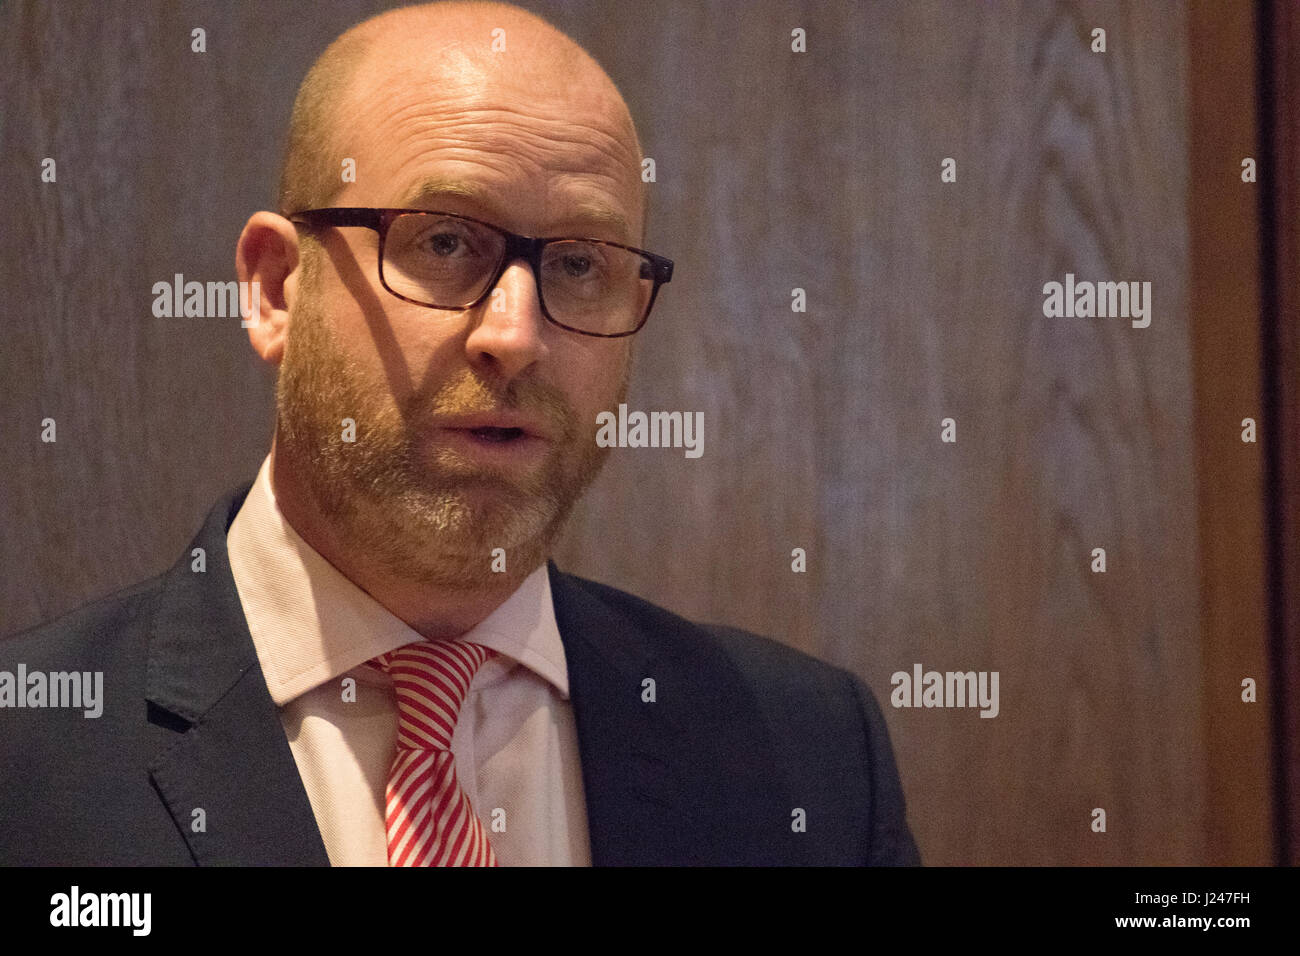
column 427, row 192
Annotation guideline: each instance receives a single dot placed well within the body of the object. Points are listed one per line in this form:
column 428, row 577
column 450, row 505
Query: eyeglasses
column 445, row 261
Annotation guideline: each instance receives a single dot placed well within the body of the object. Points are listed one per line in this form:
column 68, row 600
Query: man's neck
column 434, row 611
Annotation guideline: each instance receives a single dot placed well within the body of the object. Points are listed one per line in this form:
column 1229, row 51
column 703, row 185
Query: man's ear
column 268, row 254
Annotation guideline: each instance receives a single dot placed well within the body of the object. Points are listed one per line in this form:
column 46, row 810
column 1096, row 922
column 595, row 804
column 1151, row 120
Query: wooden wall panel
column 775, row 171
column 1225, row 286
column 925, row 303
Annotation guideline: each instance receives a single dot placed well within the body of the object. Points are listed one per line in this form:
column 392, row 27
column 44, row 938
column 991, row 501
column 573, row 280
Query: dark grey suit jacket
column 744, row 732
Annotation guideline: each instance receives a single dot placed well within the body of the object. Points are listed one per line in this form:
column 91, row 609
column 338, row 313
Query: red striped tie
column 429, row 818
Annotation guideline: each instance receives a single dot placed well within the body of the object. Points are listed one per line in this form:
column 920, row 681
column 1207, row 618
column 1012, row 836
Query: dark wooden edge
column 1279, row 112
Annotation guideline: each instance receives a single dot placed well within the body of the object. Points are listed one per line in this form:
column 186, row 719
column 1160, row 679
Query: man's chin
column 473, row 517
column 451, row 539
column 442, row 521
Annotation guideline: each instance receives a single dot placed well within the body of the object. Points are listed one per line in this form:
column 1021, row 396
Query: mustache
column 470, row 394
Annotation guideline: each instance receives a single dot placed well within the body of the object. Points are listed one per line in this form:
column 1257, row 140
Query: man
column 366, row 658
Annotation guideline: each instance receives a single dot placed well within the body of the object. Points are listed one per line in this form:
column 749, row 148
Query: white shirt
column 515, row 742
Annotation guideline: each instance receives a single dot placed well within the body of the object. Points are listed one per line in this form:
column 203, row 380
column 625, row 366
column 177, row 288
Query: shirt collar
column 311, row 624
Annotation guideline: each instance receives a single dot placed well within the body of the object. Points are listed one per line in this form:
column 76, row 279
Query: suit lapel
column 685, row 779
column 229, row 780
column 626, row 745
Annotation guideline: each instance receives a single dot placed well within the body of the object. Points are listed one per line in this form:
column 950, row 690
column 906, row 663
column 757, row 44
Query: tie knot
column 431, row 680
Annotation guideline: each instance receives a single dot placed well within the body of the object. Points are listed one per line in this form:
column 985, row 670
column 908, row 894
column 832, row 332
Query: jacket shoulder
column 73, row 634
column 757, row 658
column 824, row 721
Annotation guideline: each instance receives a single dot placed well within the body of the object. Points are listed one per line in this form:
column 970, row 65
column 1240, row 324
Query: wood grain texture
column 1227, row 338
column 925, row 303
column 775, row 171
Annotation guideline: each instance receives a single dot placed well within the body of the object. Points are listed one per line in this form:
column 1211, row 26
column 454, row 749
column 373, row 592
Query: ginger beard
column 416, row 509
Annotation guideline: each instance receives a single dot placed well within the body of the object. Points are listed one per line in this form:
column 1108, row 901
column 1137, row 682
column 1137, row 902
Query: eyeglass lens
column 447, row 262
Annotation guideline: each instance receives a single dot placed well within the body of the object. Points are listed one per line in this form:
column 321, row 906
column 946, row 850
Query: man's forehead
column 576, row 209
column 481, row 140
column 520, row 173
column 438, row 119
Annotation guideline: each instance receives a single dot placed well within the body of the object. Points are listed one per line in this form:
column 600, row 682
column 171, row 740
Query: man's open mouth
column 493, row 434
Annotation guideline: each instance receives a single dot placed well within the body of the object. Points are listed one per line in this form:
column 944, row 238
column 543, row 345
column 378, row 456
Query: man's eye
column 446, row 244
column 582, row 264
column 576, row 266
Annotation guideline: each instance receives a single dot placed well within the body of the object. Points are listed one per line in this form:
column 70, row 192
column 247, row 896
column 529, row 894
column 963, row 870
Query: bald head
column 461, row 64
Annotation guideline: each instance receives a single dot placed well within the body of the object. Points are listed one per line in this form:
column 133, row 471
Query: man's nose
column 508, row 335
